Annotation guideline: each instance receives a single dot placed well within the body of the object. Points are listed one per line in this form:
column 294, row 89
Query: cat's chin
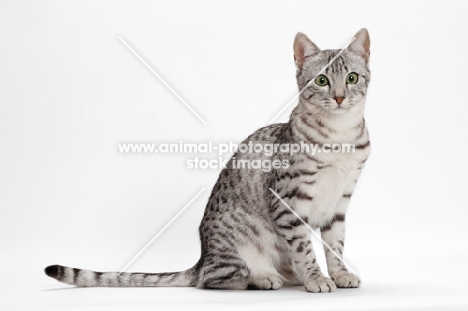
column 338, row 110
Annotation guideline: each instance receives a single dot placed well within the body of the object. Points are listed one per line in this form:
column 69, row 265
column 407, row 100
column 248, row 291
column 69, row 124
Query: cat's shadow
column 62, row 288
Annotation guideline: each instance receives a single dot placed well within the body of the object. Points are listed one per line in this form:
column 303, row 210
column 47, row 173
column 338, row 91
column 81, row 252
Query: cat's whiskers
column 305, row 112
column 318, row 113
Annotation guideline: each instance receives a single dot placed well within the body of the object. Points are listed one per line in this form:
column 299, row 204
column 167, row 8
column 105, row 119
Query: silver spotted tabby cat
column 249, row 238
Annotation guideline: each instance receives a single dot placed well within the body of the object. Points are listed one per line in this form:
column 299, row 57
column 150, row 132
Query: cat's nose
column 339, row 100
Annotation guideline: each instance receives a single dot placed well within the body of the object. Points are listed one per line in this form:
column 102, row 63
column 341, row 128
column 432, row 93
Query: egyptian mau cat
column 249, row 238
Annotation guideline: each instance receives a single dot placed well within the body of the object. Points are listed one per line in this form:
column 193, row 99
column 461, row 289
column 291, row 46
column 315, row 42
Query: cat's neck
column 337, row 127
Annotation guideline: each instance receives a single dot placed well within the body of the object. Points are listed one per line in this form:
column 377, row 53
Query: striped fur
column 249, row 239
column 87, row 278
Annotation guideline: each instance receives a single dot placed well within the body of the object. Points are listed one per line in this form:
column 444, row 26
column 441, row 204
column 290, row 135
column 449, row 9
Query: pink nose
column 339, row 100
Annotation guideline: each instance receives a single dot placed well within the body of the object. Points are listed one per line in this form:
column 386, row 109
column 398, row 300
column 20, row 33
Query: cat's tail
column 87, row 278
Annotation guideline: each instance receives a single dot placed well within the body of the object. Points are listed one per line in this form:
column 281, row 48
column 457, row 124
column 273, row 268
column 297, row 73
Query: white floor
column 47, row 294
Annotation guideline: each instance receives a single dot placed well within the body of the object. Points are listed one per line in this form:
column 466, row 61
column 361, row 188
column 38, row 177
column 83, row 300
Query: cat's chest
column 335, row 171
column 334, row 178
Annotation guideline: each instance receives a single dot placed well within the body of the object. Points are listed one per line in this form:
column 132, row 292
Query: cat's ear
column 361, row 44
column 303, row 48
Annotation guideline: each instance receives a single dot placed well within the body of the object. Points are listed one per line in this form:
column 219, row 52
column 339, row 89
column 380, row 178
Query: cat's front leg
column 303, row 258
column 333, row 234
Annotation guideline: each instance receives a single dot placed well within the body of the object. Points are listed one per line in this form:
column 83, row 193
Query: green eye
column 352, row 78
column 321, row 80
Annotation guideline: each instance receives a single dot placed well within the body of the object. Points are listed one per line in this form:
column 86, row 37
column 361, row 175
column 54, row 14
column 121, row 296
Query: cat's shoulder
column 267, row 133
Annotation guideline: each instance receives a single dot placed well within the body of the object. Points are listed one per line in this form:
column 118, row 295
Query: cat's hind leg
column 224, row 271
column 232, row 271
column 239, row 252
column 261, row 257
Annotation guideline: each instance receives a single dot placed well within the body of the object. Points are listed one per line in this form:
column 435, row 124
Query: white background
column 70, row 91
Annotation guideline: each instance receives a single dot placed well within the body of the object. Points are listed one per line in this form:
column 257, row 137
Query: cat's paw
column 347, row 280
column 270, row 282
column 320, row 285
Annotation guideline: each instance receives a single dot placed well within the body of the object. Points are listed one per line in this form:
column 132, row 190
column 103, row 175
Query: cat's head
column 342, row 86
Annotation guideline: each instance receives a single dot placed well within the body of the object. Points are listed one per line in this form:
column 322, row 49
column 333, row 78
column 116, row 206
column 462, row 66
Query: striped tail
column 87, row 278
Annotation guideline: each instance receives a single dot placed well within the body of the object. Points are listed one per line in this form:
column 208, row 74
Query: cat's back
column 243, row 183
column 267, row 134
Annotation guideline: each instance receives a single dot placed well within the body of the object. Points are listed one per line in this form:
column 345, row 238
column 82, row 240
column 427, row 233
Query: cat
column 249, row 238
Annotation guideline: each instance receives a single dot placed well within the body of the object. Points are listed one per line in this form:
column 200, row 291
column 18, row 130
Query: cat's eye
column 352, row 78
column 321, row 80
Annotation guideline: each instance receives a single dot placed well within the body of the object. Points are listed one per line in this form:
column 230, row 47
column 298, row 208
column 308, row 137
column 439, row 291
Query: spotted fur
column 249, row 239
